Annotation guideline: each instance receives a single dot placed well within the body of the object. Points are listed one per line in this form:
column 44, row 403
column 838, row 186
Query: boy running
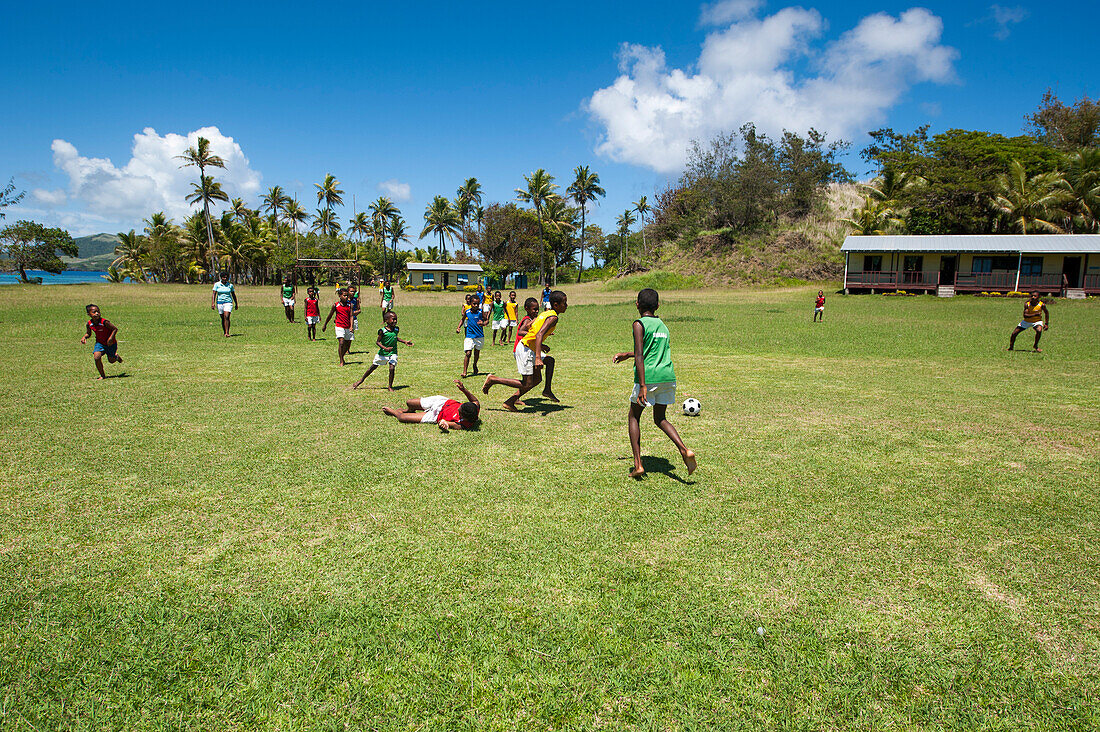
column 530, row 352
column 819, row 306
column 654, row 380
column 510, row 312
column 546, row 296
column 342, row 309
column 1036, row 316
column 313, row 313
column 387, row 349
column 353, row 300
column 224, row 300
column 387, row 298
column 500, row 322
column 474, row 321
column 449, row 414
column 106, row 339
column 288, row 291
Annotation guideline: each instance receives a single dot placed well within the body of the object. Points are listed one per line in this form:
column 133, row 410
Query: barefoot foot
column 487, row 384
column 549, row 395
column 391, row 411
column 510, row 407
column 637, row 472
column 690, row 462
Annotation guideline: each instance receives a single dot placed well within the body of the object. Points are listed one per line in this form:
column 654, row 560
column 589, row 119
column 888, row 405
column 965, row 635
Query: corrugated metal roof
column 432, row 267
column 1014, row 243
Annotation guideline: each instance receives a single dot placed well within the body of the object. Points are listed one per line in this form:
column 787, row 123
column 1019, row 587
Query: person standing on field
column 1036, row 316
column 288, row 291
column 224, row 300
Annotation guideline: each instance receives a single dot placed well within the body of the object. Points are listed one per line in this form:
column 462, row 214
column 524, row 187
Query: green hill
column 95, row 252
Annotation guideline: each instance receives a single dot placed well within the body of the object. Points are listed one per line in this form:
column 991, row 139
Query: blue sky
column 411, row 99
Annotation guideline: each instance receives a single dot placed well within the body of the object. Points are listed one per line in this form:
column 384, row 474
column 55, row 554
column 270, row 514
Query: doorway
column 947, row 270
column 1071, row 270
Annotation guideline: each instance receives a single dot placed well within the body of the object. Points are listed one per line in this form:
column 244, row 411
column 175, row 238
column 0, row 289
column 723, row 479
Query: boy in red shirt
column 313, row 313
column 106, row 340
column 819, row 306
column 344, row 312
column 449, row 414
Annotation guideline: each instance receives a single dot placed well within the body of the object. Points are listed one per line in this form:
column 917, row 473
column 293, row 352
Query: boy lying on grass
column 449, row 414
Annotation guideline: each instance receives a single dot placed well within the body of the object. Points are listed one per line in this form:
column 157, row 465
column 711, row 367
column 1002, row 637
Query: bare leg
column 465, row 364
column 393, row 370
column 225, row 324
column 528, row 383
column 98, row 356
column 406, row 417
column 547, row 391
column 477, row 354
column 667, row 427
column 1012, row 340
column 1038, row 335
column 364, row 377
column 413, row 405
column 342, row 349
column 492, row 380
column 634, row 429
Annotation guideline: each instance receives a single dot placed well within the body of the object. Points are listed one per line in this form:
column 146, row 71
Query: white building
column 443, row 275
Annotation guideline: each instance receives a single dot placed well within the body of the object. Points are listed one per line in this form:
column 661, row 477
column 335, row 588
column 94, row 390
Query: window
column 990, row 264
column 463, row 279
column 1031, row 266
column 914, row 262
column 872, row 263
column 429, row 278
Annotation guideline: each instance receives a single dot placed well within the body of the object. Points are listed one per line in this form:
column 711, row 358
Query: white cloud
column 727, row 11
column 747, row 73
column 55, row 197
column 1004, row 17
column 151, row 180
column 399, row 192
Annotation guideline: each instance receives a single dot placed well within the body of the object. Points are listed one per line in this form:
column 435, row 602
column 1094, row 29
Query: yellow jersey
column 536, row 325
column 510, row 310
column 1033, row 314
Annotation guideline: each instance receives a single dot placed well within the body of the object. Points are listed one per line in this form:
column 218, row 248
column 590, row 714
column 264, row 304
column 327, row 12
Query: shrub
column 656, row 280
column 470, row 288
column 423, row 288
column 451, row 288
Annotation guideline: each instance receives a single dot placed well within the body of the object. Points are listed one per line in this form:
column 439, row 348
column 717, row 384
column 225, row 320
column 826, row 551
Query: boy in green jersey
column 499, row 319
column 387, row 349
column 288, row 290
column 654, row 380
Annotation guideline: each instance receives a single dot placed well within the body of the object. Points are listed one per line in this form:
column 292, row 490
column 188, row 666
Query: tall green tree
column 399, row 231
column 206, row 191
column 1067, row 127
column 26, row 245
column 202, row 158
column 642, row 207
column 1030, row 203
column 382, row 212
column 624, row 221
column 468, row 200
column 441, row 219
column 274, row 202
column 325, row 223
column 8, row 196
column 539, row 191
column 584, row 189
column 875, row 217
column 560, row 220
column 329, row 191
column 1081, row 183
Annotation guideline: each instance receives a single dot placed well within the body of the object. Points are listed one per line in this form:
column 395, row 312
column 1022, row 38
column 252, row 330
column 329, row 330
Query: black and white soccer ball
column 692, row 407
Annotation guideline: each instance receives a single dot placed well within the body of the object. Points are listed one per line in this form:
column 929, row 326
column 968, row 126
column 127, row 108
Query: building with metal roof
column 443, row 275
column 1063, row 264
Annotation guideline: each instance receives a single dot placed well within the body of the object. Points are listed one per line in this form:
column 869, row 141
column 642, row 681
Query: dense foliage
column 26, row 245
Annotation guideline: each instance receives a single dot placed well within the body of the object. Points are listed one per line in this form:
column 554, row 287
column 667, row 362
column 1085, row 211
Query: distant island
column 97, row 251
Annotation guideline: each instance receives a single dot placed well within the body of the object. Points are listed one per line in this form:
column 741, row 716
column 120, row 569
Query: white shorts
column 225, row 307
column 432, row 406
column 473, row 344
column 525, row 360
column 387, row 304
column 1025, row 325
column 663, row 392
column 820, row 309
column 313, row 319
column 511, row 324
column 288, row 302
column 354, row 324
column 390, row 358
column 546, row 305
column 346, row 333
column 499, row 324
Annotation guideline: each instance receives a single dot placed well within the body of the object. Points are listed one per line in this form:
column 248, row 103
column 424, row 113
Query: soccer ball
column 692, row 407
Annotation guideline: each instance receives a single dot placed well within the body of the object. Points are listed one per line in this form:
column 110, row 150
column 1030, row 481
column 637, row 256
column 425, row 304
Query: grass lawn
column 228, row 538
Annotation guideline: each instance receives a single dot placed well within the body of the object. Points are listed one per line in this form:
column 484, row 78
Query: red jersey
column 519, row 329
column 820, row 302
column 343, row 315
column 312, row 311
column 102, row 331
column 449, row 412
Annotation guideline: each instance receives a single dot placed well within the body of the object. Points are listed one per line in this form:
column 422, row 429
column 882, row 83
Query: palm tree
column 469, row 198
column 642, row 207
column 1082, row 184
column 206, row 191
column 201, row 157
column 479, row 215
column 584, row 189
column 1033, row 202
column 328, row 191
column 559, row 218
column 891, row 184
column 359, row 226
column 540, row 189
column 381, row 213
column 440, row 218
column 295, row 213
column 464, row 211
column 874, row 218
column 625, row 221
column 398, row 232
column 275, row 202
column 325, row 223
column 130, row 254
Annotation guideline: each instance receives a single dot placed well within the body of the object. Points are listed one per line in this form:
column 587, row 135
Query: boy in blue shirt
column 474, row 321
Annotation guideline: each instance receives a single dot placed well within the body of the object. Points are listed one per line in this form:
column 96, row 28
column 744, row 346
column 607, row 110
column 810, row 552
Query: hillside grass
column 228, row 538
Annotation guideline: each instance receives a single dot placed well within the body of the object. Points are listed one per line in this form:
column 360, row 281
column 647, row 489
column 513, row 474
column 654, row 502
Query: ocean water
column 69, row 277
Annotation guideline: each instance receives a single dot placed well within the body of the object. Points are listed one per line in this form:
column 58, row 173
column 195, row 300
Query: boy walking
column 106, row 339
column 387, row 298
column 387, row 349
column 342, row 309
column 510, row 311
column 654, row 380
column 449, row 414
column 499, row 320
column 474, row 321
column 288, row 291
column 313, row 313
column 1036, row 316
column 819, row 306
column 224, row 300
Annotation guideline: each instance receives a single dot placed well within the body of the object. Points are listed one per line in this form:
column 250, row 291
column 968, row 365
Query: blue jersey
column 473, row 324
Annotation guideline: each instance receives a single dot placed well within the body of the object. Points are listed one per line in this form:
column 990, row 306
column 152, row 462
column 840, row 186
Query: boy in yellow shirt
column 1035, row 316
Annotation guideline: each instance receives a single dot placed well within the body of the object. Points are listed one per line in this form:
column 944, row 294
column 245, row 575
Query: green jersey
column 387, row 294
column 288, row 291
column 656, row 352
column 498, row 310
column 389, row 340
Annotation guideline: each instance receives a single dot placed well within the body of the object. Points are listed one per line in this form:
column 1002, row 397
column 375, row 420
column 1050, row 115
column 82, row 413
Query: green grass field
column 228, row 538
